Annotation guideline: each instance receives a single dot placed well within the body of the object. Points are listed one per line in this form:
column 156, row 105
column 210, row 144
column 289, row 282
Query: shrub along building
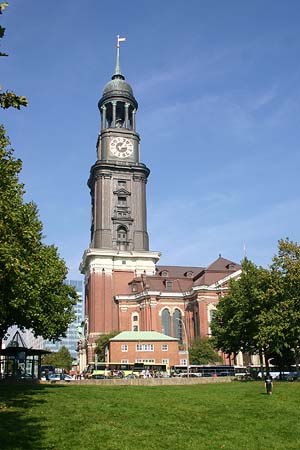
column 125, row 289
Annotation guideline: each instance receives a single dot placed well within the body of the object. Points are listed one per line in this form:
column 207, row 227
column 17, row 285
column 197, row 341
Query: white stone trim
column 216, row 286
column 179, row 309
column 150, row 294
column 126, row 307
column 98, row 260
column 229, row 277
column 165, row 307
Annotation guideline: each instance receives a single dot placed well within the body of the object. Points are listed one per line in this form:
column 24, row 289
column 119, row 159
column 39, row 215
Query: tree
column 102, row 343
column 282, row 325
column 9, row 99
column 62, row 359
column 202, row 351
column 32, row 290
column 261, row 311
column 235, row 325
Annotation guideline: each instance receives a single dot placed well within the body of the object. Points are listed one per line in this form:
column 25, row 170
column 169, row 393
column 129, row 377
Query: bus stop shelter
column 17, row 361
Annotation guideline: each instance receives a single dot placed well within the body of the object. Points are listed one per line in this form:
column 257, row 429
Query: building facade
column 125, row 289
column 74, row 329
column 148, row 347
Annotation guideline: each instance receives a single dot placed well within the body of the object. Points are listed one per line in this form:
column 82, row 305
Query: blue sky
column 219, row 113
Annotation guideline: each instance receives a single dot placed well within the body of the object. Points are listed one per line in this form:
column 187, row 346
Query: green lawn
column 220, row 416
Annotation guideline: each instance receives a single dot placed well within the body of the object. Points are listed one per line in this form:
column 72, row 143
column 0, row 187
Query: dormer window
column 164, row 273
column 189, row 274
column 134, row 287
column 169, row 284
column 231, row 266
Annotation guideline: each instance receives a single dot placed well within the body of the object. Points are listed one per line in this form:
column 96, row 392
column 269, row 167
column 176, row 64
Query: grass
column 199, row 417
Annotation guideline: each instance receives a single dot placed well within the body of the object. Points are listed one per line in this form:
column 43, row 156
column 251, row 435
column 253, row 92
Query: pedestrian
column 269, row 384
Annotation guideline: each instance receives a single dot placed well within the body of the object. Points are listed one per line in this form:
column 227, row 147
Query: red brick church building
column 125, row 287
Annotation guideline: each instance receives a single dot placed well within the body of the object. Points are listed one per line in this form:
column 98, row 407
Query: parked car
column 99, row 377
column 288, row 376
column 60, row 377
column 131, row 376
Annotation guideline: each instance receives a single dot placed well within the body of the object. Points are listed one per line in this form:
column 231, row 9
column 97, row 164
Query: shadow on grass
column 18, row 430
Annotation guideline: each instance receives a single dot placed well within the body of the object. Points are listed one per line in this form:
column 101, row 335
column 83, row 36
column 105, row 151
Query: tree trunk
column 261, row 361
column 297, row 361
column 267, row 363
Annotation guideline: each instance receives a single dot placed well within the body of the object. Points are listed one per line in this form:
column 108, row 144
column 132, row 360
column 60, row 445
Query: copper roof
column 178, row 271
column 182, row 278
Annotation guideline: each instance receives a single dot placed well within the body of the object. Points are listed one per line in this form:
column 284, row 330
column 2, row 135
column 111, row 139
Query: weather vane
column 118, row 68
column 120, row 39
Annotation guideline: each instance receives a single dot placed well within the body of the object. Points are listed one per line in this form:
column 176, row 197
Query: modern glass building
column 71, row 339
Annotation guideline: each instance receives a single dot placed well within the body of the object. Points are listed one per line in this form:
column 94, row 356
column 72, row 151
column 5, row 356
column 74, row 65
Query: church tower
column 119, row 247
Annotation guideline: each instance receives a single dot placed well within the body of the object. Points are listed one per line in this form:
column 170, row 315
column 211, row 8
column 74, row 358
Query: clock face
column 121, row 147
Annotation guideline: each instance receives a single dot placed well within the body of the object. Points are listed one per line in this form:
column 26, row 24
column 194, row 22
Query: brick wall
column 131, row 354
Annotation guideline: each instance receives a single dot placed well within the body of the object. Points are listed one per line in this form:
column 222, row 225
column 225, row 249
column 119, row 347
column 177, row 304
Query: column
column 133, row 119
column 114, row 111
column 103, row 117
column 126, row 115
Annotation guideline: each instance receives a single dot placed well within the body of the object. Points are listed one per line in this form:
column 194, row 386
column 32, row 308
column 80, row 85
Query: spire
column 118, row 73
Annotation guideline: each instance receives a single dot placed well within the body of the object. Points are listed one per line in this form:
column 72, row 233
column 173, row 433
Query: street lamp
column 186, row 345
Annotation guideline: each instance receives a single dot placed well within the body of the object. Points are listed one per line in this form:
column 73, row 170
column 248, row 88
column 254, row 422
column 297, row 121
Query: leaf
column 10, row 99
column 3, row 6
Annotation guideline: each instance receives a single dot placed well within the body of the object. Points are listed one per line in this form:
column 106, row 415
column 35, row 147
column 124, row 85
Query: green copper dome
column 117, row 88
column 117, row 85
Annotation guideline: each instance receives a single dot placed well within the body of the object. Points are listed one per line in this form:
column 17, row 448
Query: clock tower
column 119, row 246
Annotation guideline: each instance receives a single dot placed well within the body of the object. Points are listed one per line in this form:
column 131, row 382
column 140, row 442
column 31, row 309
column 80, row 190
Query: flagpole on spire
column 118, row 67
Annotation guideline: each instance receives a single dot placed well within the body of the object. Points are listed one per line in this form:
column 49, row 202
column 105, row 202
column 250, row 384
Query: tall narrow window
column 177, row 323
column 211, row 313
column 122, row 201
column 135, row 322
column 122, row 238
column 196, row 324
column 166, row 322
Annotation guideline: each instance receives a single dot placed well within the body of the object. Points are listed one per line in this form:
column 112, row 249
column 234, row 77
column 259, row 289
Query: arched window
column 166, row 322
column 122, row 238
column 177, row 323
column 196, row 324
column 211, row 313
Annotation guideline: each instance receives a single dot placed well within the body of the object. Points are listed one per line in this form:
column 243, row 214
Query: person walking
column 269, row 384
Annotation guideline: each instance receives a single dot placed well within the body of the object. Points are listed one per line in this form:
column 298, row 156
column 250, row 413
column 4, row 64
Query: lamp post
column 186, row 345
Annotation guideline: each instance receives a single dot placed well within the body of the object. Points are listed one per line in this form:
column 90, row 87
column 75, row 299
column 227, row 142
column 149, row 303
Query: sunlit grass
column 219, row 416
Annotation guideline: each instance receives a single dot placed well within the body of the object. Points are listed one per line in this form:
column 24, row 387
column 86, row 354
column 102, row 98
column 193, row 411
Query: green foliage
column 202, row 351
column 261, row 311
column 61, row 359
column 3, row 6
column 235, row 322
column 101, row 344
column 32, row 290
column 282, row 324
column 9, row 99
